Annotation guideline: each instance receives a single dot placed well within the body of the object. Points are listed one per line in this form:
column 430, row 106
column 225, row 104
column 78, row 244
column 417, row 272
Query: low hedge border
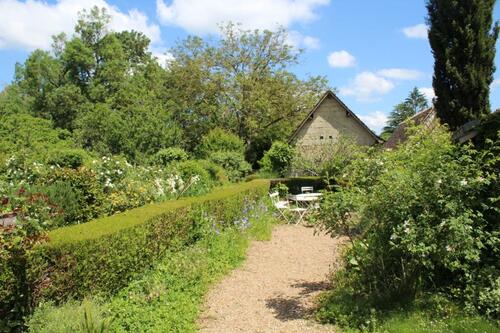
column 104, row 255
column 295, row 183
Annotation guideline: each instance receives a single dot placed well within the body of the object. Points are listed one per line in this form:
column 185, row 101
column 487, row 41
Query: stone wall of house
column 329, row 122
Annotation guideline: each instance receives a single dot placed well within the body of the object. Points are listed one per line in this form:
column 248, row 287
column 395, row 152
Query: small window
column 330, row 137
column 321, row 137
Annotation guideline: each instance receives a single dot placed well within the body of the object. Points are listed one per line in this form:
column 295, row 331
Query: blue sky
column 372, row 52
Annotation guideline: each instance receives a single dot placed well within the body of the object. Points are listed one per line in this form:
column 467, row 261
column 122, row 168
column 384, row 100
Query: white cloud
column 400, row 73
column 298, row 40
column 30, row 24
column 418, row 31
column 428, row 92
column 341, row 59
column 367, row 86
column 163, row 57
column 311, row 42
column 375, row 120
column 203, row 16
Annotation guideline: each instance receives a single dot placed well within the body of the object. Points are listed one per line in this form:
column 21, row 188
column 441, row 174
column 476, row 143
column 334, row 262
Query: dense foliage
column 463, row 43
column 225, row 150
column 423, row 218
column 278, row 159
column 104, row 91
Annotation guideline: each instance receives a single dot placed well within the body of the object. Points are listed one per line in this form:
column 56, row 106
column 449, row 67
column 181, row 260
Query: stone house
column 326, row 122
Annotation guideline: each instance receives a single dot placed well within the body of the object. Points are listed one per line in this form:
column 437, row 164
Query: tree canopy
column 463, row 41
column 113, row 97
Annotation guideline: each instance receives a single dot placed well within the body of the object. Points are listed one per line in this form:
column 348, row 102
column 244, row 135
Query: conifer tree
column 415, row 102
column 463, row 40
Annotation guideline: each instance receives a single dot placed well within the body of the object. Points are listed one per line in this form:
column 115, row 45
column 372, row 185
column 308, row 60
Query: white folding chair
column 307, row 189
column 284, row 206
column 281, row 206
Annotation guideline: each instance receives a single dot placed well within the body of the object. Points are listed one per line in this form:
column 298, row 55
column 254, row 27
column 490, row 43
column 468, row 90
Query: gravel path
column 273, row 291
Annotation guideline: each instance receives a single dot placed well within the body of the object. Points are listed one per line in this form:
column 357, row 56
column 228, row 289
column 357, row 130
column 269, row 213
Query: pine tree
column 463, row 40
column 415, row 102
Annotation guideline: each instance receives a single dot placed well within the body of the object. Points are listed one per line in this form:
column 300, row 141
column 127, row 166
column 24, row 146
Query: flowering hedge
column 104, row 255
column 422, row 218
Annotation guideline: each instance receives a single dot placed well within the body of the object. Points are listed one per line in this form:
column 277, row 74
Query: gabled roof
column 348, row 111
column 424, row 117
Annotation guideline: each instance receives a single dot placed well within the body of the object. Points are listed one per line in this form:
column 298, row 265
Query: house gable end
column 329, row 119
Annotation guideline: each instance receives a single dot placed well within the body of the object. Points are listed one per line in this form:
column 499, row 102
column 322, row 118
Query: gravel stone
column 274, row 290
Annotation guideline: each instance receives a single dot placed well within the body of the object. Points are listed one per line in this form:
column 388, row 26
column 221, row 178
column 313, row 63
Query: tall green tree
column 414, row 103
column 462, row 39
column 241, row 83
column 104, row 87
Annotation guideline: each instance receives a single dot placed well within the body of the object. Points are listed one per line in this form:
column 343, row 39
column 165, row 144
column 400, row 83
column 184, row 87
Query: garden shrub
column 169, row 155
column 216, row 172
column 422, row 218
column 220, row 140
column 33, row 215
column 86, row 188
column 111, row 170
column 67, row 200
column 195, row 177
column 278, row 159
column 19, row 169
column 330, row 160
column 102, row 256
column 233, row 163
column 67, row 158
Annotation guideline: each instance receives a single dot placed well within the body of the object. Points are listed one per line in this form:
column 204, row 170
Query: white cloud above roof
column 31, row 24
column 418, row 31
column 341, row 59
column 367, row 87
column 203, row 16
column 375, row 120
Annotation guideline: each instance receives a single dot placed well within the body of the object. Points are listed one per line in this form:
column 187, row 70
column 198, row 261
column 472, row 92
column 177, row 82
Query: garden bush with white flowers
column 102, row 186
column 420, row 220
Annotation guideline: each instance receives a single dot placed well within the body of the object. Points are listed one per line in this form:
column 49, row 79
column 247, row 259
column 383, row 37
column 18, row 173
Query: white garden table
column 305, row 200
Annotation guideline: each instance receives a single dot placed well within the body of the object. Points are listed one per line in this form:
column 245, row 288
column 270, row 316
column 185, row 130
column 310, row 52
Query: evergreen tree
column 415, row 102
column 463, row 44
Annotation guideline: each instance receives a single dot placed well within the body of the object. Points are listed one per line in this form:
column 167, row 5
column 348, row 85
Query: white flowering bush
column 420, row 218
column 111, row 170
column 18, row 169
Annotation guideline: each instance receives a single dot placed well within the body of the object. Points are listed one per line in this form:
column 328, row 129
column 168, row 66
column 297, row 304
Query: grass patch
column 430, row 313
column 169, row 297
column 419, row 321
column 69, row 317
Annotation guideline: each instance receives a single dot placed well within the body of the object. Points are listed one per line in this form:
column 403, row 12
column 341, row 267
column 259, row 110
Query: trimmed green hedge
column 295, row 183
column 104, row 255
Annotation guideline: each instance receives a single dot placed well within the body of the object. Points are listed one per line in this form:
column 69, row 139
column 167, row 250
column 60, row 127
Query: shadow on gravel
column 311, row 287
column 292, row 308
